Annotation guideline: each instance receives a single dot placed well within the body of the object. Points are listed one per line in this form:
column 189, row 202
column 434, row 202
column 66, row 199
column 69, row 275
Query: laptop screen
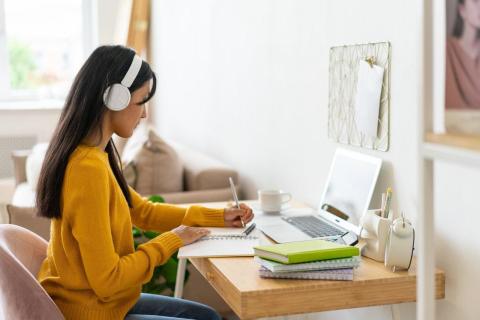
column 350, row 185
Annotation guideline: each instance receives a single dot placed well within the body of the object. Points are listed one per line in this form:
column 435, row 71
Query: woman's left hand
column 234, row 216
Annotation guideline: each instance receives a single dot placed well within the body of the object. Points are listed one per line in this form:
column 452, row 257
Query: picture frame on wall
column 462, row 67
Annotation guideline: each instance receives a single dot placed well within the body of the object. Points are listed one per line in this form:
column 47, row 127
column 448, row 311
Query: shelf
column 455, row 140
column 452, row 147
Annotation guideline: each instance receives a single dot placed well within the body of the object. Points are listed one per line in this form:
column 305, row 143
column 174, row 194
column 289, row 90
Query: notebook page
column 214, row 231
column 227, row 247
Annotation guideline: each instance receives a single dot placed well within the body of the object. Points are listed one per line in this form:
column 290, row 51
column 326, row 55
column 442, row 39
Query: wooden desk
column 237, row 282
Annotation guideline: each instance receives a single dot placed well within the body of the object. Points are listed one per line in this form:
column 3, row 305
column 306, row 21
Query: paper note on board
column 367, row 99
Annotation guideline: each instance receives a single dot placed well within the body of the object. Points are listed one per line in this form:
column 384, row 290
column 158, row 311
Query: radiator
column 7, row 145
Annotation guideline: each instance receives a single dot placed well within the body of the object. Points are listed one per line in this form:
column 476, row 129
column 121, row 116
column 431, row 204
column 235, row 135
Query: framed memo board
column 343, row 72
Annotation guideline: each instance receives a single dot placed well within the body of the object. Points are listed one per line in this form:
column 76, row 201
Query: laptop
column 348, row 191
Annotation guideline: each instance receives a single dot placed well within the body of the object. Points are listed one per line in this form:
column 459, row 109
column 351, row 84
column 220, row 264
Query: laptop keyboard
column 312, row 226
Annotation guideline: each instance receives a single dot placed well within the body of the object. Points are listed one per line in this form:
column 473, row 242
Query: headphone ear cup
column 116, row 97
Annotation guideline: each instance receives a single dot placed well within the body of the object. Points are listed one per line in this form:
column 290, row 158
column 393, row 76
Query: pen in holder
column 374, row 231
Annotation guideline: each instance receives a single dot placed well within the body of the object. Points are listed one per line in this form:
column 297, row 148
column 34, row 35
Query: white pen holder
column 374, row 232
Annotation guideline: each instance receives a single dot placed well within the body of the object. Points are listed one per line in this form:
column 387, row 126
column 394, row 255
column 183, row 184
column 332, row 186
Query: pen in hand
column 234, row 193
column 249, row 229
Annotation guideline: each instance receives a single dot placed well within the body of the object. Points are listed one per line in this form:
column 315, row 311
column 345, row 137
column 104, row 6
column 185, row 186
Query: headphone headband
column 132, row 71
column 117, row 96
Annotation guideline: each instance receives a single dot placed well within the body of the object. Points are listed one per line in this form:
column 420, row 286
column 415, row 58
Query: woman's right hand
column 190, row 234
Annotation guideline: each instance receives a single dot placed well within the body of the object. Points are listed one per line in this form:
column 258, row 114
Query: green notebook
column 305, row 251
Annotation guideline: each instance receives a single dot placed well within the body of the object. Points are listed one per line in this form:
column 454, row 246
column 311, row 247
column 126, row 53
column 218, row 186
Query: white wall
column 457, row 221
column 247, row 82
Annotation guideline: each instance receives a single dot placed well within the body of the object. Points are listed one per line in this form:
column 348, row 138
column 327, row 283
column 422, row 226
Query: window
column 42, row 46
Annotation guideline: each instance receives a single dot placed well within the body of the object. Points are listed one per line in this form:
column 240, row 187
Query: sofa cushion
column 24, row 196
column 34, row 164
column 151, row 165
column 213, row 195
column 26, row 217
column 203, row 172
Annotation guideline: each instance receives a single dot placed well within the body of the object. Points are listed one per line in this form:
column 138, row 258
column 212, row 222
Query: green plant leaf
column 136, row 232
column 169, row 271
column 154, row 288
column 157, row 272
column 150, row 234
column 156, row 198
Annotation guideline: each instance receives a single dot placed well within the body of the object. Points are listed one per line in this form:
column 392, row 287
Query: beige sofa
column 204, row 179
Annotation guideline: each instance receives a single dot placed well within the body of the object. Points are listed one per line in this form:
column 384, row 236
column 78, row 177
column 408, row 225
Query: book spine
column 331, row 266
column 308, row 275
column 352, row 262
column 323, row 255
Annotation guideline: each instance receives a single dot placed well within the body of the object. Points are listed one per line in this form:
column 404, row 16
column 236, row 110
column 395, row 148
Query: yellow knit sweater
column 92, row 270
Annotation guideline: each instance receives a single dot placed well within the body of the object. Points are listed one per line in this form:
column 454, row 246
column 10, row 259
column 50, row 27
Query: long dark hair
column 82, row 114
column 459, row 23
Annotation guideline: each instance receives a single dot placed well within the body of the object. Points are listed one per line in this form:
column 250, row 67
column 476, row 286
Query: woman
column 462, row 90
column 92, row 270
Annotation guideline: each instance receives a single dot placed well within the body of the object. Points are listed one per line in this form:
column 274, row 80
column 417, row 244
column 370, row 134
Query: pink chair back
column 21, row 295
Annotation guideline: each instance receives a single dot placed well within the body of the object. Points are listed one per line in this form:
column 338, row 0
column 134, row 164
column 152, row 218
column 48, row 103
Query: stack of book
column 313, row 259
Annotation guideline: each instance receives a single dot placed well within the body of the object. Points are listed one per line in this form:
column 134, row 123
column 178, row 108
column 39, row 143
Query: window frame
column 4, row 75
column 90, row 41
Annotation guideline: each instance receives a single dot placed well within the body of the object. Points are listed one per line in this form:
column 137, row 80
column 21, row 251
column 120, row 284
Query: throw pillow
column 27, row 218
column 152, row 166
column 34, row 164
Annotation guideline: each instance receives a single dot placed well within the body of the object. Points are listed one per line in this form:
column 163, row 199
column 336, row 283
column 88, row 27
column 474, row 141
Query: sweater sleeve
column 163, row 217
column 86, row 206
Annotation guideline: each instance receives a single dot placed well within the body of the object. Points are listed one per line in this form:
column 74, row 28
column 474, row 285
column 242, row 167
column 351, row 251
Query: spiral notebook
column 222, row 242
column 273, row 266
column 335, row 274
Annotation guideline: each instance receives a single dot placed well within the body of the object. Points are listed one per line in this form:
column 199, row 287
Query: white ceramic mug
column 272, row 200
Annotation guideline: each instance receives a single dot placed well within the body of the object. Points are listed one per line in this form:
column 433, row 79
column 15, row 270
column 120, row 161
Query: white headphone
column 117, row 96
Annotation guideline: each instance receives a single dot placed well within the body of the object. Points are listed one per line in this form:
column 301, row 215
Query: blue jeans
column 156, row 307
